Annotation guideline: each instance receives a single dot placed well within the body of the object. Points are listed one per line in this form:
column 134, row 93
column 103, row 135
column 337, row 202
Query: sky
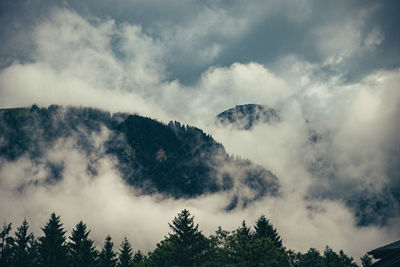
column 329, row 66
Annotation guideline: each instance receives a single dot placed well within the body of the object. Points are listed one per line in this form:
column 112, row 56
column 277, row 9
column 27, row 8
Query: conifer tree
column 138, row 258
column 23, row 241
column 246, row 249
column 189, row 243
column 218, row 249
column 185, row 246
column 107, row 257
column 52, row 248
column 33, row 252
column 264, row 228
column 81, row 249
column 332, row 259
column 238, row 245
column 125, row 254
column 312, row 258
column 366, row 260
column 6, row 245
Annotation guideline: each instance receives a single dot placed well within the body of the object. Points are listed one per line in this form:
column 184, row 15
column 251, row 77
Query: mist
column 125, row 67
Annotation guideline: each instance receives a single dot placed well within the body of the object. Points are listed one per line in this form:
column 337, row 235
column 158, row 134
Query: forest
column 176, row 160
column 185, row 245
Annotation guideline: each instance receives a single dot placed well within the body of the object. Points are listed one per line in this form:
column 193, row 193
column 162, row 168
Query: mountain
column 175, row 160
column 244, row 117
column 370, row 206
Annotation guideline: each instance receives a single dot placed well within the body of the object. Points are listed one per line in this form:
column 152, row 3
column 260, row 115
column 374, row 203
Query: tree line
column 184, row 246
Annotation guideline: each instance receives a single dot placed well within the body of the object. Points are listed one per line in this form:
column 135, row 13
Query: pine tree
column 332, row 259
column 107, row 257
column 23, row 241
column 312, row 258
column 183, row 228
column 138, row 258
column 81, row 249
column 185, row 246
column 125, row 254
column 218, row 247
column 190, row 244
column 52, row 248
column 6, row 245
column 366, row 260
column 245, row 248
column 265, row 229
column 238, row 245
column 33, row 252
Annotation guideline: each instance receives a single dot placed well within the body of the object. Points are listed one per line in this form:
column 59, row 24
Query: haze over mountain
column 330, row 71
column 369, row 207
column 175, row 160
column 246, row 116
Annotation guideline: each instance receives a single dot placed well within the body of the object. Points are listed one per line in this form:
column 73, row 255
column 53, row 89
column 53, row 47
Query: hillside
column 175, row 160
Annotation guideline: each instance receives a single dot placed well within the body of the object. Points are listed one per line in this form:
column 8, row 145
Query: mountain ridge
column 175, row 160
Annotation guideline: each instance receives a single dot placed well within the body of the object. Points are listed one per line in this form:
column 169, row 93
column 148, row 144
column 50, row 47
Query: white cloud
column 120, row 67
column 222, row 88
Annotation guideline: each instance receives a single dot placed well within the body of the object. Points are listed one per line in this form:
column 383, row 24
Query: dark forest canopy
column 184, row 246
column 176, row 160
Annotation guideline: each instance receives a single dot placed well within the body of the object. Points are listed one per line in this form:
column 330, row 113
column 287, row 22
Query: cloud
column 204, row 58
column 198, row 34
column 109, row 206
column 120, row 68
column 74, row 64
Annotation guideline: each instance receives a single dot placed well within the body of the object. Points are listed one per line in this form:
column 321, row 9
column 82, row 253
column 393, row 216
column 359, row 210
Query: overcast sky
column 334, row 64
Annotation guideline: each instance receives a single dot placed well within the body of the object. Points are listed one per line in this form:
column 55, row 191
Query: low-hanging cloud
column 124, row 67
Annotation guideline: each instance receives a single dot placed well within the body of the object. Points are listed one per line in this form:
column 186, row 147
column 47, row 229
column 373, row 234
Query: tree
column 185, row 246
column 138, row 258
column 52, row 248
column 107, row 257
column 125, row 254
column 312, row 258
column 81, row 248
column 264, row 252
column 245, row 248
column 293, row 257
column 6, row 245
column 218, row 250
column 332, row 259
column 33, row 252
column 264, row 228
column 23, row 239
column 366, row 260
column 238, row 245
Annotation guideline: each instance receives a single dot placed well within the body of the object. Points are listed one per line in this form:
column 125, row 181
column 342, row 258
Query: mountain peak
column 245, row 116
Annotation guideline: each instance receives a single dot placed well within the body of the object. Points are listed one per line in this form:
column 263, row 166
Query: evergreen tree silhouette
column 238, row 245
column 138, row 258
column 332, row 259
column 33, row 252
column 185, row 246
column 311, row 258
column 107, row 257
column 125, row 254
column 52, row 247
column 189, row 243
column 81, row 249
column 23, row 239
column 366, row 260
column 6, row 245
column 264, row 228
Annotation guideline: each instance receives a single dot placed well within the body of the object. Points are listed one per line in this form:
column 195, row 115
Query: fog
column 117, row 66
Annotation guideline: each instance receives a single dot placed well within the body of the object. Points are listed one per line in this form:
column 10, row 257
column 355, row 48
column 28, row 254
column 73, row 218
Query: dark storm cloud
column 197, row 34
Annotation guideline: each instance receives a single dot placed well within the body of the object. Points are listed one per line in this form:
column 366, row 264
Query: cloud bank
column 324, row 68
